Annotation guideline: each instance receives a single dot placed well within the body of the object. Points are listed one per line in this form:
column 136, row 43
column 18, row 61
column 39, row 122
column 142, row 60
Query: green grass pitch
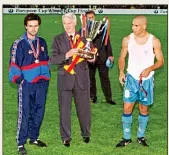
column 106, row 129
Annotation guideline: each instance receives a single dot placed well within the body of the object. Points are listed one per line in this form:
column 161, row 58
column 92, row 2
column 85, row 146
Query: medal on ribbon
column 35, row 52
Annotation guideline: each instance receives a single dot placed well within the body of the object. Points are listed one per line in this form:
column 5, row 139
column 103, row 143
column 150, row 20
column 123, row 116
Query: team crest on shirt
column 42, row 48
column 30, row 51
column 127, row 93
column 145, row 52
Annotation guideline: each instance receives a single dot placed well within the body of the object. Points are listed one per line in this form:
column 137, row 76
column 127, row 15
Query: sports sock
column 127, row 121
column 143, row 120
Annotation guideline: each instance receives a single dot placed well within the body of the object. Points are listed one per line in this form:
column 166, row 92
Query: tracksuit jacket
column 33, row 80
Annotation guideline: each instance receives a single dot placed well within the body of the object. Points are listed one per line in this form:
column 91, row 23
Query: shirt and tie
column 71, row 39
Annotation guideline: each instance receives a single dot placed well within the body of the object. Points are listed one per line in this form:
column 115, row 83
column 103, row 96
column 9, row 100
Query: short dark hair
column 30, row 17
column 89, row 12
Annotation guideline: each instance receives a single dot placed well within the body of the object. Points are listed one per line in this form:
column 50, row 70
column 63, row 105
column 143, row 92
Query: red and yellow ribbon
column 77, row 43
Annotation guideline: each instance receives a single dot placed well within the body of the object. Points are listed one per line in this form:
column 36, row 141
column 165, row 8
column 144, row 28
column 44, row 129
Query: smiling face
column 32, row 28
column 69, row 25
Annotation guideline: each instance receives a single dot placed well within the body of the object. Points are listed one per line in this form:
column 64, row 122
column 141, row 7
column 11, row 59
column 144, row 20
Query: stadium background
column 106, row 128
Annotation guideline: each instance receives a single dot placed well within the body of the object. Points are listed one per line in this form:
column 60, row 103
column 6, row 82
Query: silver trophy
column 89, row 30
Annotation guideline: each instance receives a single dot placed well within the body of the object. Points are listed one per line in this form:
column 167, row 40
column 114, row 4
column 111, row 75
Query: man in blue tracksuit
column 29, row 69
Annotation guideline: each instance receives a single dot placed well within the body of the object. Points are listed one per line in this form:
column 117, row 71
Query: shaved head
column 139, row 25
column 142, row 20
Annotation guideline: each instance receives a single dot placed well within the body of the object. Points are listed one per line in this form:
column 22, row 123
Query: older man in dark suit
column 76, row 83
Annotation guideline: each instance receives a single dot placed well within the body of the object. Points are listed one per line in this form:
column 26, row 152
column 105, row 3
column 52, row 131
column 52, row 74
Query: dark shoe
column 142, row 141
column 86, row 139
column 22, row 150
column 66, row 143
column 37, row 143
column 94, row 100
column 111, row 102
column 124, row 142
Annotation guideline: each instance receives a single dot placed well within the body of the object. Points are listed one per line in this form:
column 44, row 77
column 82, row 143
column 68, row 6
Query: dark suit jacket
column 103, row 51
column 61, row 45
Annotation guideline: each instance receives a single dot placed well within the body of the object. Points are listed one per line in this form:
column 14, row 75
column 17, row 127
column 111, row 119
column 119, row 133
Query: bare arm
column 121, row 61
column 158, row 55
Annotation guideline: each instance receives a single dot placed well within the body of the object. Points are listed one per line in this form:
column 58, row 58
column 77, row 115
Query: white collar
column 71, row 34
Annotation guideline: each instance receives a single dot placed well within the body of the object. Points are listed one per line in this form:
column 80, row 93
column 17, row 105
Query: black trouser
column 82, row 102
column 104, row 79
